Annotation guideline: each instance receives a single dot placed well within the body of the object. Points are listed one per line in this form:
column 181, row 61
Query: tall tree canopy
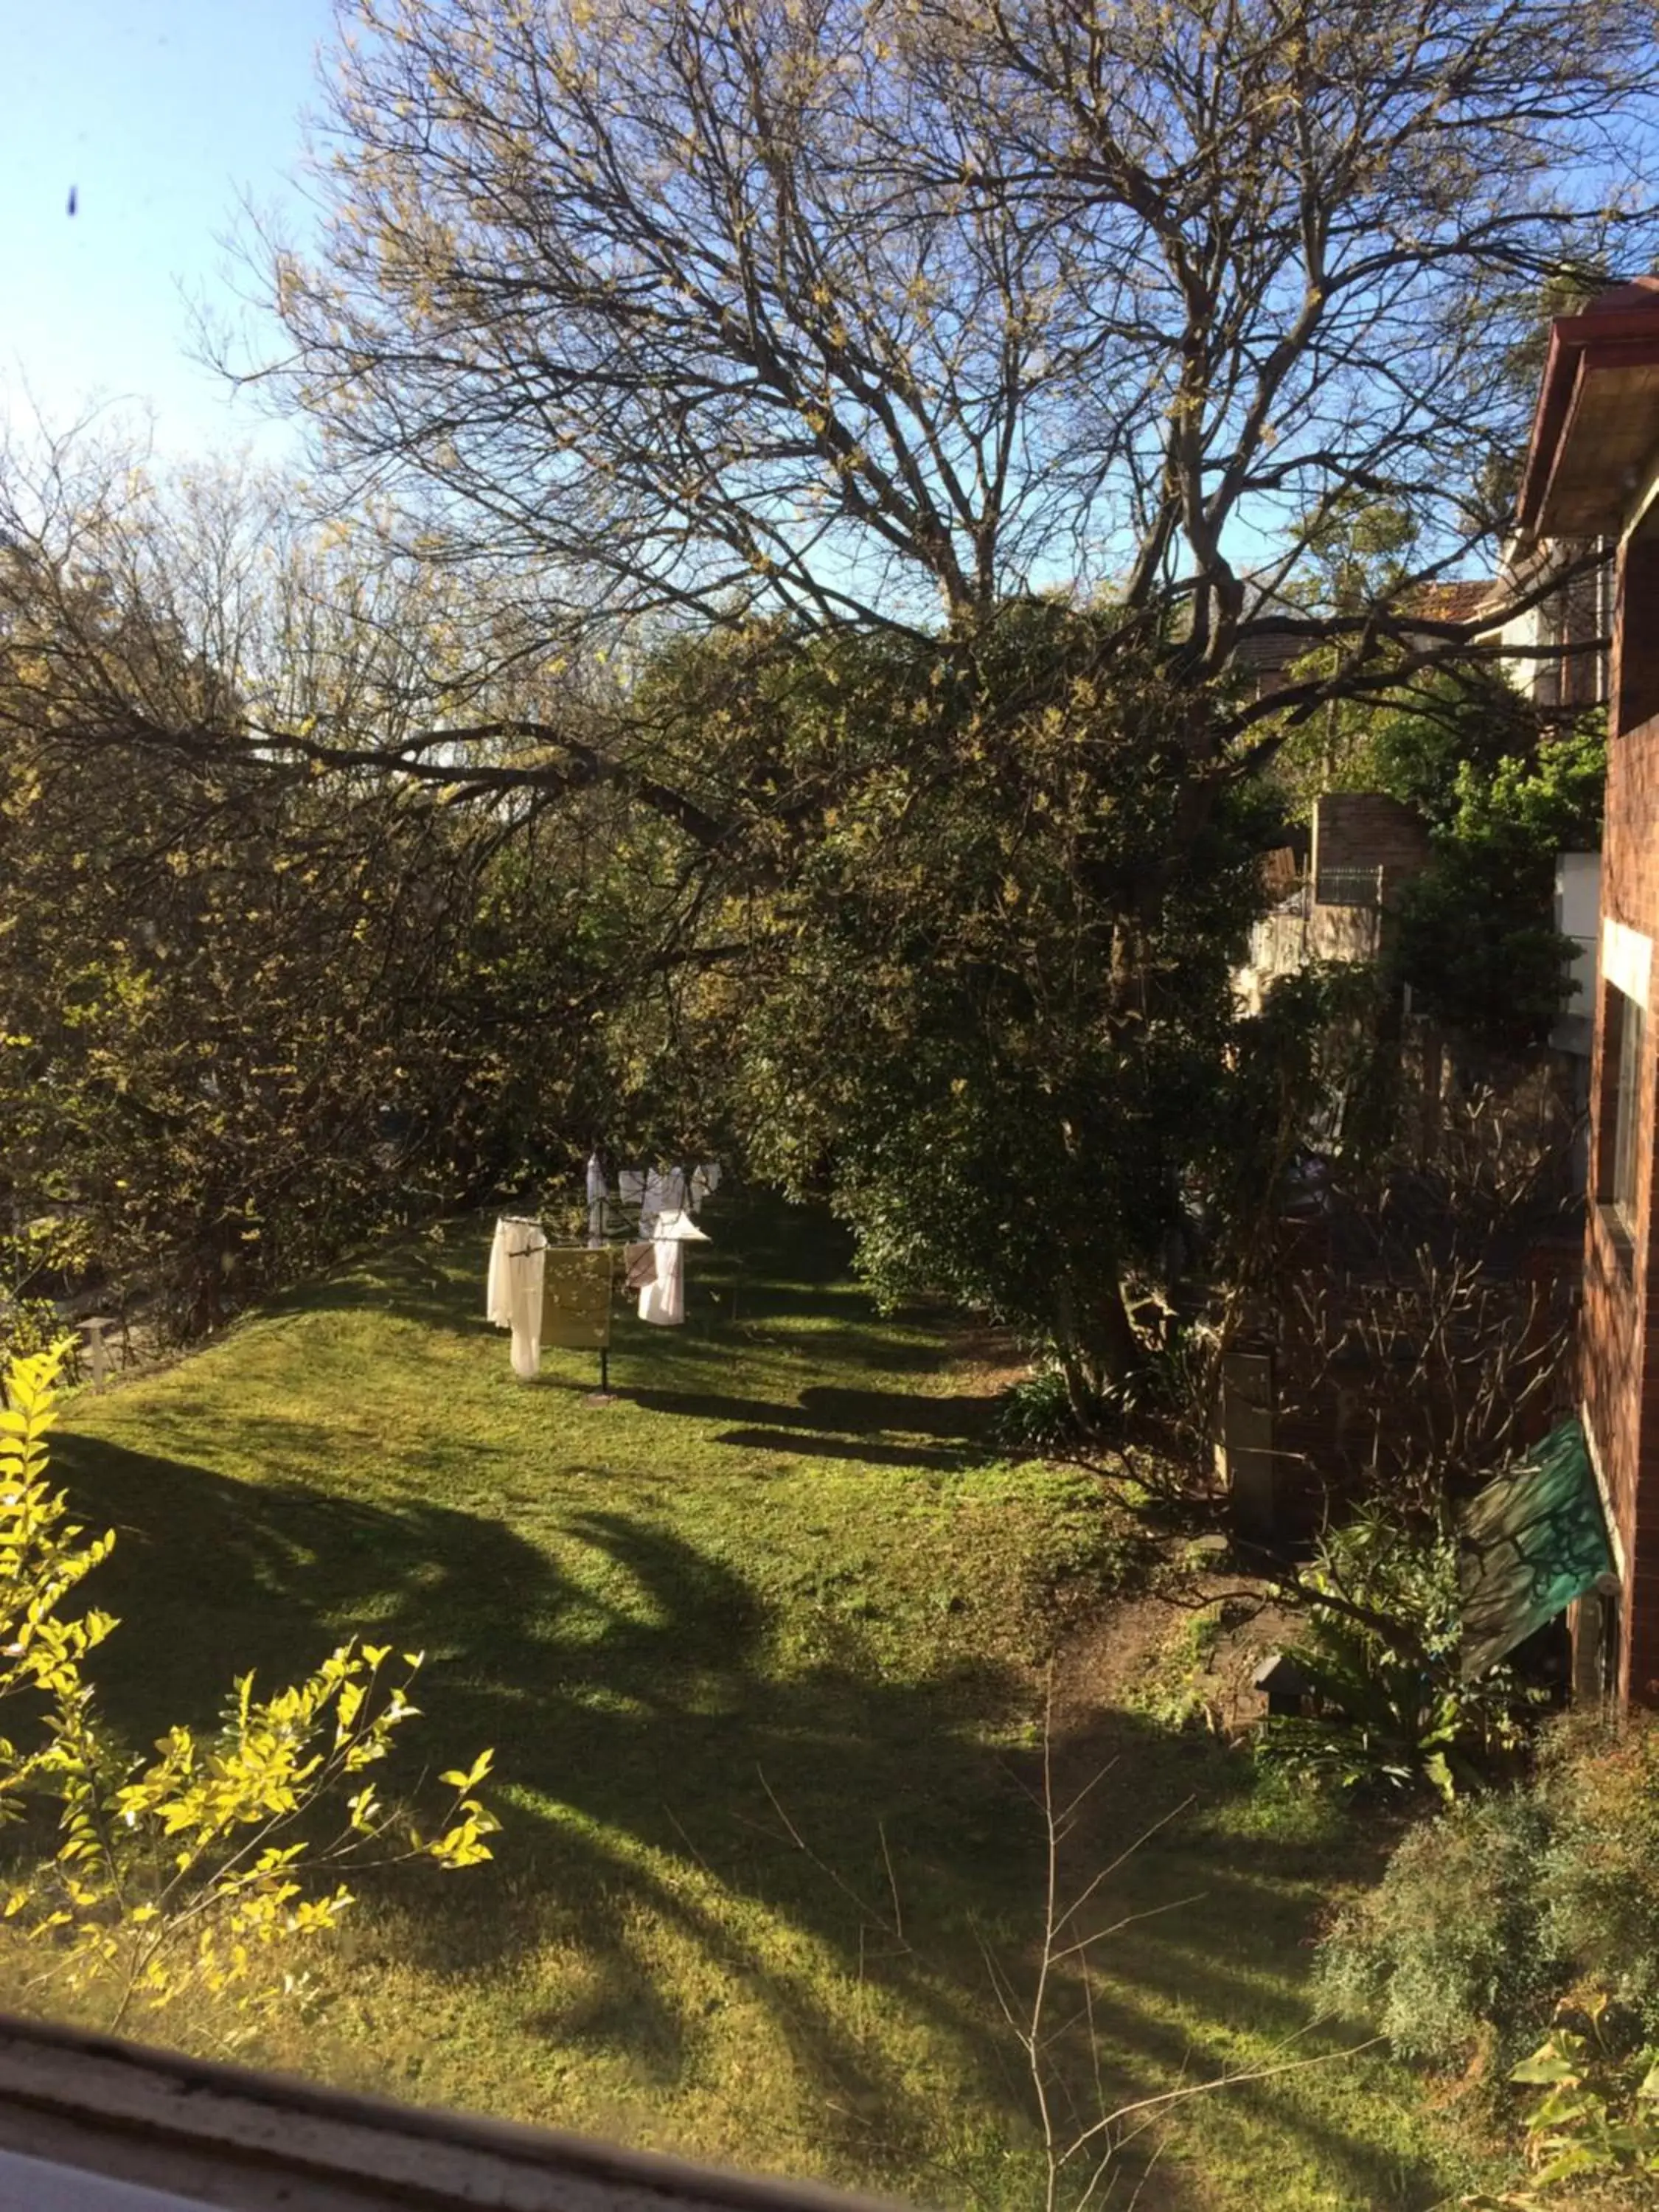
column 816, row 461
column 890, row 310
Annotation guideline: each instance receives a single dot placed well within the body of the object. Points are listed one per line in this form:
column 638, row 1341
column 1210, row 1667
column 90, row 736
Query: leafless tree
column 886, row 310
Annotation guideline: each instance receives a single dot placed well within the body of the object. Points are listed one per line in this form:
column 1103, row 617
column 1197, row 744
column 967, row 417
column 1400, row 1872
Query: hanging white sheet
column 513, row 1293
column 662, row 1303
column 665, row 1193
column 496, row 1308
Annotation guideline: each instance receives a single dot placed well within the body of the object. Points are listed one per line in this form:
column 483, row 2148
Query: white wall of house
column 1574, row 615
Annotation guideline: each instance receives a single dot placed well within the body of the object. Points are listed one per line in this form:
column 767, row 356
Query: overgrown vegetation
column 250, row 1015
column 1519, row 1932
column 1476, row 939
column 1380, row 1656
column 1503, row 786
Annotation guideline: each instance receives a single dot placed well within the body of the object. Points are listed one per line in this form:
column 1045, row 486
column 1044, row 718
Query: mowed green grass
column 758, row 1647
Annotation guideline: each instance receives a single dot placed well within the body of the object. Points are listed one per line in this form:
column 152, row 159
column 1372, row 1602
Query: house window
column 1625, row 1048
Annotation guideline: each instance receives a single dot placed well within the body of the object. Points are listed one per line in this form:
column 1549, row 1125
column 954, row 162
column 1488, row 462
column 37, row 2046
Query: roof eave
column 1581, row 348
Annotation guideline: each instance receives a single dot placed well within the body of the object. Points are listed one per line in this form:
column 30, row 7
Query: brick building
column 1365, row 845
column 1592, row 472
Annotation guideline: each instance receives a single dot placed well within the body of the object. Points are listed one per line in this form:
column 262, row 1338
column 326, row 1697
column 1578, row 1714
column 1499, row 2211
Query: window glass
column 1631, row 1041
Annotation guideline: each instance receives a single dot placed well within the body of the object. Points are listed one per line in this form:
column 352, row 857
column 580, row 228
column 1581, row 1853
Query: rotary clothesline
column 561, row 1294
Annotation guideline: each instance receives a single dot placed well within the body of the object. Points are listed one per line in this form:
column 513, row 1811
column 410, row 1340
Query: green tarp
column 1531, row 1542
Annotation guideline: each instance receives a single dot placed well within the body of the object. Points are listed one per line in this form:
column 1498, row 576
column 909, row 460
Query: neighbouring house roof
column 1268, row 657
column 1595, row 433
column 1458, row 600
column 1530, row 1543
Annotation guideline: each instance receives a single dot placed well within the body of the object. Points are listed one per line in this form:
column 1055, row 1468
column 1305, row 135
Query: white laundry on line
column 513, row 1294
column 496, row 1308
column 663, row 1193
column 663, row 1301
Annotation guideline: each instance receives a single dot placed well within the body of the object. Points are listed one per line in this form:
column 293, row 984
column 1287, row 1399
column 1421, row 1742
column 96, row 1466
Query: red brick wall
column 1635, row 670
column 1368, row 830
column 1619, row 1335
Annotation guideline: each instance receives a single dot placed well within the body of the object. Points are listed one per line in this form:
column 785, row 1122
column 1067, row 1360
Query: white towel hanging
column 513, row 1295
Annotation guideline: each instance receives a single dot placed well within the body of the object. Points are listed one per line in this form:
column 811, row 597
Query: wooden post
column 97, row 1350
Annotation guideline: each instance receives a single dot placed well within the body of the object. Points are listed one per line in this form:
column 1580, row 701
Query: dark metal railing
column 1348, row 887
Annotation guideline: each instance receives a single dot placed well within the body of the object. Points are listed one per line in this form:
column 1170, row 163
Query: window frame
column 1624, row 1083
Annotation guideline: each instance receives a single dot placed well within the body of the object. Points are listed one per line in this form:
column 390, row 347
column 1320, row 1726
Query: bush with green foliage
column 1451, row 1948
column 1475, row 936
column 1503, row 1904
column 1035, row 1415
column 1501, row 786
column 990, row 1012
column 210, row 1863
column 1603, row 1793
column 1380, row 1653
column 252, row 1017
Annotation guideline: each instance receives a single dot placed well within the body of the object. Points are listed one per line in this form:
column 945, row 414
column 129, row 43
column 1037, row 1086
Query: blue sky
column 158, row 113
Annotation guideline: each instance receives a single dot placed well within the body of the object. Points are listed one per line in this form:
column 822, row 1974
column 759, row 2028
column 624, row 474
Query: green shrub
column 1488, row 1914
column 1602, row 1873
column 1035, row 1415
column 1596, row 2115
column 1453, row 1948
column 1380, row 1651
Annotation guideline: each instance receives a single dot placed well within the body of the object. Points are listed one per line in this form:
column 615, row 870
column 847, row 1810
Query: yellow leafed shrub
column 211, row 1863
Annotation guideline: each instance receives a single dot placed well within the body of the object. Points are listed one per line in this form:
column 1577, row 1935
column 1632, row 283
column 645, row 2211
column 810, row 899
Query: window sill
column 1617, row 1236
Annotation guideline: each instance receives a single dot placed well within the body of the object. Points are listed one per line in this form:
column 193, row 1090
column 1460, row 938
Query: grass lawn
column 782, row 1582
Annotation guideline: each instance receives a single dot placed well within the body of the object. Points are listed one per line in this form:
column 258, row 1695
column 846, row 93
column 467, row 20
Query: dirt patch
column 1187, row 1658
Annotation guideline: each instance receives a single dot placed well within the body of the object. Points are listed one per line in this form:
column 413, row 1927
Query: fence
column 1352, row 886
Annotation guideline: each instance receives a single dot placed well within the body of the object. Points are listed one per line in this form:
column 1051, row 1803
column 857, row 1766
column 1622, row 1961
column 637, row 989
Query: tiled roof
column 1458, row 601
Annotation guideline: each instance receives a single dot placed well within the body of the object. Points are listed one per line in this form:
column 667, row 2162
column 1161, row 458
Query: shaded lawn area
column 782, row 1585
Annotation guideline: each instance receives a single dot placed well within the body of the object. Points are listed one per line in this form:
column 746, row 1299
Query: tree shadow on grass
column 806, row 1444
column 440, row 1285
column 1202, row 1918
column 827, row 1410
column 654, row 1761
column 621, row 1683
column 795, row 1271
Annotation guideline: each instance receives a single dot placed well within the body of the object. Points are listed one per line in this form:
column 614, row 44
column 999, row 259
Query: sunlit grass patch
column 758, row 1647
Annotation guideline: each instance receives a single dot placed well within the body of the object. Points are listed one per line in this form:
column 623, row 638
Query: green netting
column 1531, row 1542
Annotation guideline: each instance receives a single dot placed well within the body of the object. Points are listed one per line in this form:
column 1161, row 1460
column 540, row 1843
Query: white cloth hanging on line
column 676, row 1227
column 598, row 1190
column 631, row 1182
column 662, row 1303
column 513, row 1294
column 496, row 1308
column 665, row 1193
column 705, row 1181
